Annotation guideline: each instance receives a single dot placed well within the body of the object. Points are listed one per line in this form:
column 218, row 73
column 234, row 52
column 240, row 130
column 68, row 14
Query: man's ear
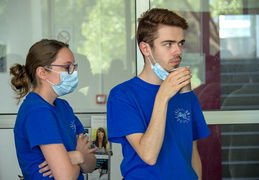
column 41, row 73
column 145, row 48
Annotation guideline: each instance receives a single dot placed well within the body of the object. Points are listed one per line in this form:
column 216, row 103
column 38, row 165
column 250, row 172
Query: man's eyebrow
column 172, row 41
column 168, row 41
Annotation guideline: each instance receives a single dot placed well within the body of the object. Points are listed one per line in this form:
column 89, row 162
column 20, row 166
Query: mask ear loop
column 52, row 71
column 150, row 62
column 151, row 56
column 50, row 82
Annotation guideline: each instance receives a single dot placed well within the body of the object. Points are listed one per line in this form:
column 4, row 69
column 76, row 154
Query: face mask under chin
column 157, row 69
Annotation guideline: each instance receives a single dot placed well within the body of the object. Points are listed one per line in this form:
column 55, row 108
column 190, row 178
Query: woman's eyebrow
column 69, row 62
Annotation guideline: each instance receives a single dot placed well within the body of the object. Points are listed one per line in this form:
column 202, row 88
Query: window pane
column 239, row 64
column 103, row 42
column 100, row 33
column 230, row 152
column 222, row 51
column 240, row 145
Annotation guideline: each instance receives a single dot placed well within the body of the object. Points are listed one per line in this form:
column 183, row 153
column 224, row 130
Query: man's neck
column 149, row 76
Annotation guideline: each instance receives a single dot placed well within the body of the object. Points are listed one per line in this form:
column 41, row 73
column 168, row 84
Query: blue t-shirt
column 129, row 110
column 39, row 123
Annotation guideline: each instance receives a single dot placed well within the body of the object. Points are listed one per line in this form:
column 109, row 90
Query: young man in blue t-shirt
column 155, row 115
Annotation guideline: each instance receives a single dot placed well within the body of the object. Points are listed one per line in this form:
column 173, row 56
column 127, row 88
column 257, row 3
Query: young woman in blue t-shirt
column 48, row 136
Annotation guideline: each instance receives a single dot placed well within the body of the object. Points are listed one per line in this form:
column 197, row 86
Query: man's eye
column 168, row 44
column 181, row 43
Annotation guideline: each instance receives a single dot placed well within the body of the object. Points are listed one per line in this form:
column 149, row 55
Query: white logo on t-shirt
column 182, row 116
column 73, row 125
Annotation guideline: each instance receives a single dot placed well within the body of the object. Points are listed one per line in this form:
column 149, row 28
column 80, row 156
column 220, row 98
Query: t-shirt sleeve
column 123, row 116
column 41, row 128
column 200, row 127
column 79, row 126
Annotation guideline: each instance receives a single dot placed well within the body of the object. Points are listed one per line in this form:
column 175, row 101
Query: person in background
column 155, row 116
column 49, row 138
column 100, row 140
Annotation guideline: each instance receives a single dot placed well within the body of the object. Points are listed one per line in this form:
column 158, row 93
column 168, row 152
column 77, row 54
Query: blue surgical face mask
column 157, row 69
column 68, row 82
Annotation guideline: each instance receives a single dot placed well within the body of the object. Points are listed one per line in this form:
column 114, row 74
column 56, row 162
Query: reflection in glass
column 240, row 146
column 226, row 34
column 101, row 34
column 239, row 65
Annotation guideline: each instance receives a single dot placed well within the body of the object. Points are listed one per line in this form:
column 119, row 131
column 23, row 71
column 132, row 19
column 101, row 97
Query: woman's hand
column 84, row 146
column 44, row 168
